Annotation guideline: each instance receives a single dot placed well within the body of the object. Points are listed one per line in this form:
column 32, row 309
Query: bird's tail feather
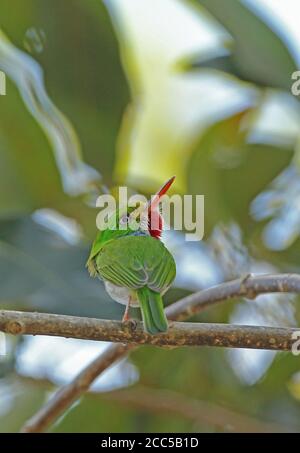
column 152, row 308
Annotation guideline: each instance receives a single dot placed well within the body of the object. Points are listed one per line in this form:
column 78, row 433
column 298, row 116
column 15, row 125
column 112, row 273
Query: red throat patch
column 155, row 220
column 155, row 224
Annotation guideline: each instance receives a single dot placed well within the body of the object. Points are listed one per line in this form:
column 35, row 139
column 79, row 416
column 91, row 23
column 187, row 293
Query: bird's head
column 144, row 219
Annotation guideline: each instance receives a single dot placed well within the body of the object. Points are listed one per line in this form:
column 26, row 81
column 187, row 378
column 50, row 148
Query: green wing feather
column 139, row 263
column 135, row 262
column 96, row 247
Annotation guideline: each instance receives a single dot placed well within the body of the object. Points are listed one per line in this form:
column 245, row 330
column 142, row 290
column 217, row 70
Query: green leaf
column 85, row 81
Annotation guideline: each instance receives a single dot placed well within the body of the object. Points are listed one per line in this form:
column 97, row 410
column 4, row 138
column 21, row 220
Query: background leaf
column 258, row 54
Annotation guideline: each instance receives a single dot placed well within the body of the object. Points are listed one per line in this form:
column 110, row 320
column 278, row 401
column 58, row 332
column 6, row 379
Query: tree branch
column 197, row 411
column 248, row 287
column 179, row 333
column 169, row 402
column 68, row 394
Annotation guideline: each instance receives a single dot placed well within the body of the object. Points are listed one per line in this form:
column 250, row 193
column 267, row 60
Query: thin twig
column 68, row 394
column 197, row 411
column 179, row 334
column 170, row 402
column 248, row 287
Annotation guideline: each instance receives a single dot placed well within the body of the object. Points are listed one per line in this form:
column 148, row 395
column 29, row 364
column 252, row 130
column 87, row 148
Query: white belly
column 121, row 294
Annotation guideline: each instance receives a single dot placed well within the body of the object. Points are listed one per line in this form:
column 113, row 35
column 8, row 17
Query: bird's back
column 136, row 261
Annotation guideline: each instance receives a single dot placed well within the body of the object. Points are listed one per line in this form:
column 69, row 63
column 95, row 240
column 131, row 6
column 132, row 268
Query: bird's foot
column 126, row 316
column 126, row 312
column 130, row 323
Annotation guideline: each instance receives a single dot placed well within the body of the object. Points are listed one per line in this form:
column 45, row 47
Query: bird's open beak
column 153, row 203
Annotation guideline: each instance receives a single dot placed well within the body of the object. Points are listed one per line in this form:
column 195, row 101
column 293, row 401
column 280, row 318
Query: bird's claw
column 131, row 323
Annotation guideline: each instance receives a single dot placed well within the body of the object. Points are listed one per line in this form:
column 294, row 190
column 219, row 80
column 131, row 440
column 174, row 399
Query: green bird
column 136, row 267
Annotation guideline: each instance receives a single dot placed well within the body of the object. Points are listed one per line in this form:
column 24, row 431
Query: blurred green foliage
column 257, row 55
column 91, row 91
column 120, row 94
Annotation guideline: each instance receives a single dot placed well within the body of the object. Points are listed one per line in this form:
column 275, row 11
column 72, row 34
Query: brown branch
column 248, row 287
column 169, row 402
column 68, row 394
column 178, row 334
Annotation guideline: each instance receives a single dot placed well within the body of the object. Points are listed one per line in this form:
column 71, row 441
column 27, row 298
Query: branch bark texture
column 248, row 287
column 179, row 333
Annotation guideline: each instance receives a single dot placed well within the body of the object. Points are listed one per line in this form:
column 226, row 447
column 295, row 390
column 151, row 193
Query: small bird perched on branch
column 136, row 267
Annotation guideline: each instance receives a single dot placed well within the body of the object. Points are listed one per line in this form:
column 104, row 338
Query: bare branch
column 179, row 333
column 209, row 413
column 248, row 287
column 170, row 402
column 68, row 394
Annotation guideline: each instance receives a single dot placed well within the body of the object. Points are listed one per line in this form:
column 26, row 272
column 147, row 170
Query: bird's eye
column 124, row 219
